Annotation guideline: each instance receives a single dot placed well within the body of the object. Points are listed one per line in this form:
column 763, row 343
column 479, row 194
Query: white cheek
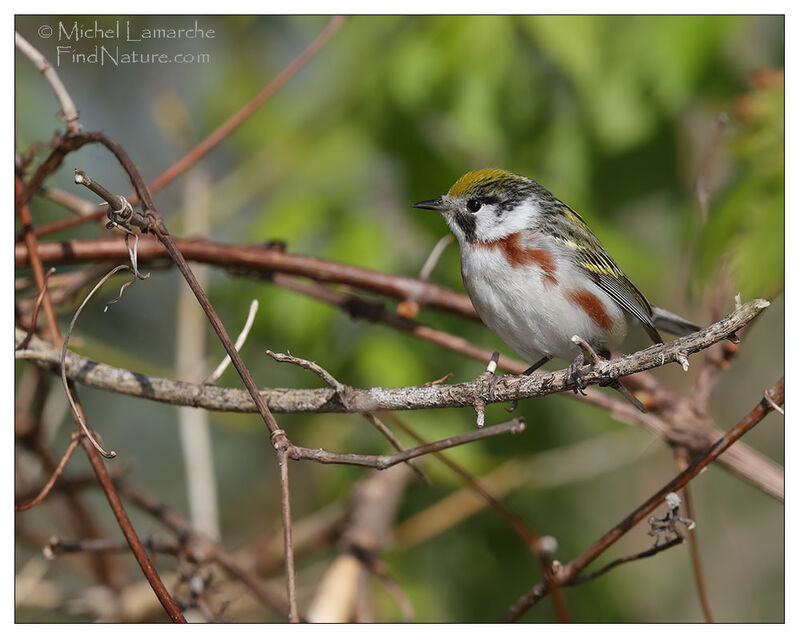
column 494, row 224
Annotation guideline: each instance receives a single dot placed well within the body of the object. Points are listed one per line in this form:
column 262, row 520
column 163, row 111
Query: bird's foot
column 582, row 365
column 576, row 372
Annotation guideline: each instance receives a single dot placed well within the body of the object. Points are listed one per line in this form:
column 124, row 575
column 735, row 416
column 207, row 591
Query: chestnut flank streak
column 594, row 308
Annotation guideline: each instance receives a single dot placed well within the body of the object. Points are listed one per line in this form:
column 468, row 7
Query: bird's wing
column 591, row 257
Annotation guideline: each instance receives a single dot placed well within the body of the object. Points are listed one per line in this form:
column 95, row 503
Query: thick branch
column 357, row 400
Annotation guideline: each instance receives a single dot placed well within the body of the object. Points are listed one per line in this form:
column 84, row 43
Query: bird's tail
column 669, row 322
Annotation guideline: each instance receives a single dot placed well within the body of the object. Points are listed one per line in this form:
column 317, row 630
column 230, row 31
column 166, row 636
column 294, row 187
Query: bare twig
column 45, row 491
column 382, row 462
column 582, row 579
column 240, row 340
column 232, row 123
column 153, row 543
column 409, row 307
column 313, row 367
column 76, row 413
column 341, row 390
column 682, row 458
column 35, row 312
column 69, row 114
column 286, row 518
column 383, row 429
column 704, row 174
column 573, row 568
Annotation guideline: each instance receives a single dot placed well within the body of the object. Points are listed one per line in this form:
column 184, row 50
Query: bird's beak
column 431, row 205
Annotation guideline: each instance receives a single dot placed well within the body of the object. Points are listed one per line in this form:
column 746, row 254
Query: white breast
column 531, row 313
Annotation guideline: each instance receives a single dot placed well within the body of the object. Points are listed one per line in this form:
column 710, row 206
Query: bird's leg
column 489, row 374
column 577, row 369
column 488, row 380
column 537, row 365
column 588, row 353
column 533, row 367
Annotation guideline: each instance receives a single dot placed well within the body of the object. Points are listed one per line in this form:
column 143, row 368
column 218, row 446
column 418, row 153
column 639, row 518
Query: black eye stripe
column 474, row 205
column 467, row 224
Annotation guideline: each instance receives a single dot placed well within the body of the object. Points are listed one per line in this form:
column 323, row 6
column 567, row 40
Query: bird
column 537, row 276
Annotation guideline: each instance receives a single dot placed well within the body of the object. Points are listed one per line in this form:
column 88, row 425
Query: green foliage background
column 614, row 114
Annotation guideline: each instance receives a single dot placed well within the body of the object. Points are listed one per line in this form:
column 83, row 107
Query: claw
column 576, row 372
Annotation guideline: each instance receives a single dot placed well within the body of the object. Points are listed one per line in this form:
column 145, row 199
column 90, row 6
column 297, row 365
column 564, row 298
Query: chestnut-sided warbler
column 536, row 274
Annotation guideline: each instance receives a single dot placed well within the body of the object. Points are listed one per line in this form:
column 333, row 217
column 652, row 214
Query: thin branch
column 409, row 307
column 45, row 491
column 582, row 579
column 155, row 544
column 69, row 114
column 240, row 340
column 232, row 123
column 35, row 312
column 381, row 462
column 573, row 568
column 340, row 389
column 383, row 429
column 682, row 458
column 286, row 520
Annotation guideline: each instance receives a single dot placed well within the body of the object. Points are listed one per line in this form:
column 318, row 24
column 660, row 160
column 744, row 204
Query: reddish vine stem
column 682, row 457
column 45, row 491
column 569, row 572
column 35, row 312
column 94, row 457
column 233, row 122
column 286, row 520
column 211, row 141
column 260, row 261
column 154, row 223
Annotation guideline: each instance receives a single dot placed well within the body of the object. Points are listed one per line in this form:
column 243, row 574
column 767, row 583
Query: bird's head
column 487, row 205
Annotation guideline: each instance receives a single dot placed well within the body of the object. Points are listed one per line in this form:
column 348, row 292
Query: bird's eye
column 474, row 205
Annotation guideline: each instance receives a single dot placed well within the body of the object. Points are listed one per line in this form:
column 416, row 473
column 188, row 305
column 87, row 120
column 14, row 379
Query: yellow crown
column 484, row 181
